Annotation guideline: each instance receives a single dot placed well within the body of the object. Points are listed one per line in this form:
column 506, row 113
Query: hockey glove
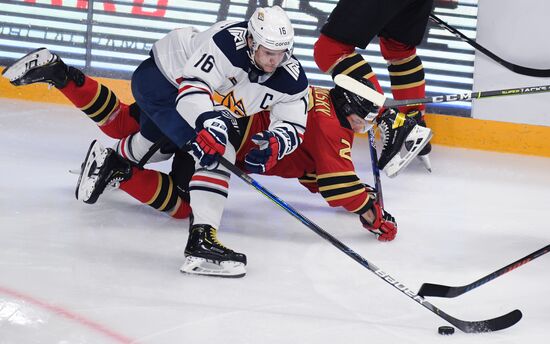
column 211, row 139
column 384, row 225
column 272, row 146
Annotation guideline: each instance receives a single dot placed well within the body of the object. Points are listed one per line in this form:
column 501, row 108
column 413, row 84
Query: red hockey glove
column 384, row 225
column 211, row 140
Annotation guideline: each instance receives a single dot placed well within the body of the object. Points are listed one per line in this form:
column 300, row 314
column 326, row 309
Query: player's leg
column 117, row 120
column 104, row 169
column 398, row 41
column 168, row 193
column 97, row 101
column 352, row 24
column 109, row 167
column 155, row 96
column 204, row 253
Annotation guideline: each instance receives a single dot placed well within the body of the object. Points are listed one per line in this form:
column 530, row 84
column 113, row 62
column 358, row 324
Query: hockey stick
column 152, row 150
column 375, row 169
column 544, row 73
column 364, row 91
column 489, row 325
column 439, row 290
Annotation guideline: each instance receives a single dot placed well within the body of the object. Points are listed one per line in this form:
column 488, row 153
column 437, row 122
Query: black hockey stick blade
column 489, row 325
column 366, row 92
column 541, row 73
column 440, row 290
column 495, row 324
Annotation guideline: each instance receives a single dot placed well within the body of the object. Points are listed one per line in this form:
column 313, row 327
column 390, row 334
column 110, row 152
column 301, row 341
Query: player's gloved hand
column 211, row 138
column 383, row 226
column 272, row 146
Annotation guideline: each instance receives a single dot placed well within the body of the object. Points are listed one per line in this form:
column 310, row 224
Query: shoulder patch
column 293, row 68
column 231, row 41
column 239, row 35
column 290, row 78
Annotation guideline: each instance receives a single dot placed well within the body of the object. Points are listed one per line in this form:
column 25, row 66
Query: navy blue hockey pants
column 156, row 98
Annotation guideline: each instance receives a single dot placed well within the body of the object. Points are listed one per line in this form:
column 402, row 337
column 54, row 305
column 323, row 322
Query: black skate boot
column 43, row 66
column 102, row 167
column 398, row 131
column 205, row 255
column 423, row 154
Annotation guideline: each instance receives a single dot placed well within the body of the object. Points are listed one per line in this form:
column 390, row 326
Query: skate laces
column 114, row 183
column 213, row 237
column 415, row 115
column 116, row 178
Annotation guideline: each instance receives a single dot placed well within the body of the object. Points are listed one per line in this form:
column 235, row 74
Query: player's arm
column 202, row 74
column 340, row 186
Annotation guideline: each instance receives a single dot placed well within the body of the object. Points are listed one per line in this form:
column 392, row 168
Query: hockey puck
column 446, row 330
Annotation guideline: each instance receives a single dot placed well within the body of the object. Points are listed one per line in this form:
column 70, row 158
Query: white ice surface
column 109, row 272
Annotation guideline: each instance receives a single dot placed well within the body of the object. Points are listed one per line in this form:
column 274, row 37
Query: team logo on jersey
column 232, row 104
column 239, row 36
column 293, row 68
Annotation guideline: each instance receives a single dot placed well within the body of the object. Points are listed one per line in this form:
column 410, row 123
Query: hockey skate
column 42, row 66
column 205, row 255
column 423, row 155
column 403, row 140
column 102, row 167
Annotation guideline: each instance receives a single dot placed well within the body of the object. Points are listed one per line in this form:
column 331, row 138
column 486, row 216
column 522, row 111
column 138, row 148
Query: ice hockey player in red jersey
column 400, row 26
column 244, row 67
column 323, row 162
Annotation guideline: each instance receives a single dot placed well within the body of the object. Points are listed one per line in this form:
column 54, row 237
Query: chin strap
column 254, row 73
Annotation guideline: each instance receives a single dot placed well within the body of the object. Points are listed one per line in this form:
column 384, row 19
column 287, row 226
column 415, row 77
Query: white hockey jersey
column 211, row 68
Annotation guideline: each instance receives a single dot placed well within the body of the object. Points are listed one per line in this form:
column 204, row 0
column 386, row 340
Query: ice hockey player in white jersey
column 231, row 70
column 250, row 67
column 191, row 90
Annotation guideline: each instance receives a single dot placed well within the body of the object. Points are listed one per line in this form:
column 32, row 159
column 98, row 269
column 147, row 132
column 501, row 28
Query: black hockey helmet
column 346, row 102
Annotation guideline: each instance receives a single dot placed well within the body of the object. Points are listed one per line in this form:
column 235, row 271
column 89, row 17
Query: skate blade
column 399, row 162
column 206, row 267
column 87, row 179
column 34, row 59
column 425, row 160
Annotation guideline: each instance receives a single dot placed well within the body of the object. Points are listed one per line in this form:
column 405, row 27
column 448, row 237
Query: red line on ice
column 69, row 315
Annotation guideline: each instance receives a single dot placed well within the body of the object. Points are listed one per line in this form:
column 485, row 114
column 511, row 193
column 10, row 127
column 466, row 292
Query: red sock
column 157, row 190
column 406, row 72
column 103, row 107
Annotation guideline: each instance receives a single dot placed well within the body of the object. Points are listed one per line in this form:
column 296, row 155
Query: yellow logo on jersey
column 345, row 152
column 229, row 101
